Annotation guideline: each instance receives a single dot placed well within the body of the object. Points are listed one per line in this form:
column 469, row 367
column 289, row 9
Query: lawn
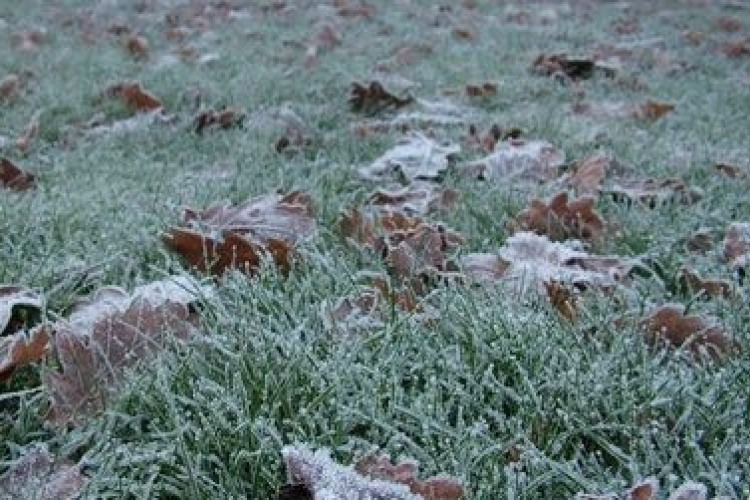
column 480, row 334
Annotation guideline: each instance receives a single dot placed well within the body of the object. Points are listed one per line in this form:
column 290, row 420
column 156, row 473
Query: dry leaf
column 563, row 299
column 30, row 133
column 690, row 491
column 417, row 199
column 647, row 489
column 30, row 40
column 17, row 347
column 531, row 261
column 589, row 174
column 137, row 46
column 736, row 247
column 10, row 87
column 12, row 177
column 44, row 477
column 372, row 98
column 561, row 219
column 518, row 161
column 225, row 119
column 482, row 90
column 105, row 337
column 464, row 34
column 731, row 171
column 416, row 157
column 728, row 24
column 326, row 479
column 711, row 287
column 567, row 68
column 700, row 241
column 495, row 134
column 652, row 110
column 736, row 50
column 294, row 492
column 654, row 193
column 134, row 96
column 668, row 324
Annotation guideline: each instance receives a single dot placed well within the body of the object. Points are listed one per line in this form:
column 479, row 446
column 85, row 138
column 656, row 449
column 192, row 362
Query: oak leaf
column 518, row 161
column 562, row 219
column 137, row 46
column 416, row 157
column 417, row 199
column 373, row 97
column 19, row 345
column 12, row 177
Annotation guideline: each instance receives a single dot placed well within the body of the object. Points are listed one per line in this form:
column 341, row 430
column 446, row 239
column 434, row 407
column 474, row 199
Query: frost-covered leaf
column 373, row 97
column 417, row 157
column 668, row 324
column 40, row 476
column 517, row 162
column 30, row 133
column 20, row 345
column 224, row 119
column 16, row 303
column 690, row 491
column 589, row 174
column 710, row 287
column 562, row 219
column 416, row 199
column 736, row 246
column 654, row 193
column 566, row 68
column 328, row 480
column 12, row 177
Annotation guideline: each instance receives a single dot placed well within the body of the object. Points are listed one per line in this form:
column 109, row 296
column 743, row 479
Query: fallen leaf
column 728, row 24
column 12, row 177
column 563, row 299
column 137, row 46
column 517, row 161
column 481, row 90
column 21, row 349
column 372, row 98
column 736, row 50
column 105, row 337
column 44, row 476
column 134, row 96
column 690, row 491
column 18, row 307
column 294, row 492
column 30, row 40
column 736, row 247
column 711, row 287
column 700, row 241
column 405, row 55
column 417, row 199
column 464, row 34
column 654, row 193
column 30, row 133
column 10, row 87
column 327, row 479
column 416, row 157
column 561, row 219
column 731, row 171
column 496, row 133
column 225, row 119
column 528, row 260
column 693, row 37
column 569, row 68
column 589, row 174
column 668, row 324
column 652, row 110
column 648, row 489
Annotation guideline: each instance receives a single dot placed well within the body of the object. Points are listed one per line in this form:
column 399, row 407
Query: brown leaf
column 417, row 199
column 137, row 46
column 561, row 219
column 134, row 96
column 736, row 50
column 45, row 477
column 654, row 193
column 30, row 40
column 485, row 266
column 294, row 492
column 30, row 133
column 562, row 66
column 517, row 161
column 731, row 171
column 10, row 87
column 481, row 90
column 373, row 478
column 693, row 37
column 711, row 287
column 12, row 177
column 737, row 243
column 590, row 173
column 224, row 119
column 18, row 306
column 652, row 110
column 103, row 339
column 700, row 241
column 563, row 299
column 728, row 24
column 22, row 349
column 690, row 491
column 372, row 98
column 464, row 34
column 668, row 324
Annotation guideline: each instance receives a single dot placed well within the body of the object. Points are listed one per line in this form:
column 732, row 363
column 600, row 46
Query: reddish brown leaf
column 224, row 119
column 668, row 324
column 652, row 110
column 406, row 473
column 654, row 193
column 137, row 46
column 12, row 177
column 711, row 287
column 18, row 307
column 134, row 97
column 372, row 98
column 736, row 50
column 45, row 477
column 21, row 349
column 563, row 299
column 102, row 340
column 10, row 87
column 485, row 266
column 561, row 219
column 417, row 199
column 464, row 34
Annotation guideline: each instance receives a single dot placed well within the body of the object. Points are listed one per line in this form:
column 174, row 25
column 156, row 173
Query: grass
column 492, row 378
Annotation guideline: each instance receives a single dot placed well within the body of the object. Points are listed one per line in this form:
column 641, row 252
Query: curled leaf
column 417, row 199
column 224, row 119
column 134, row 96
column 654, row 193
column 372, row 98
column 711, row 287
column 417, row 157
